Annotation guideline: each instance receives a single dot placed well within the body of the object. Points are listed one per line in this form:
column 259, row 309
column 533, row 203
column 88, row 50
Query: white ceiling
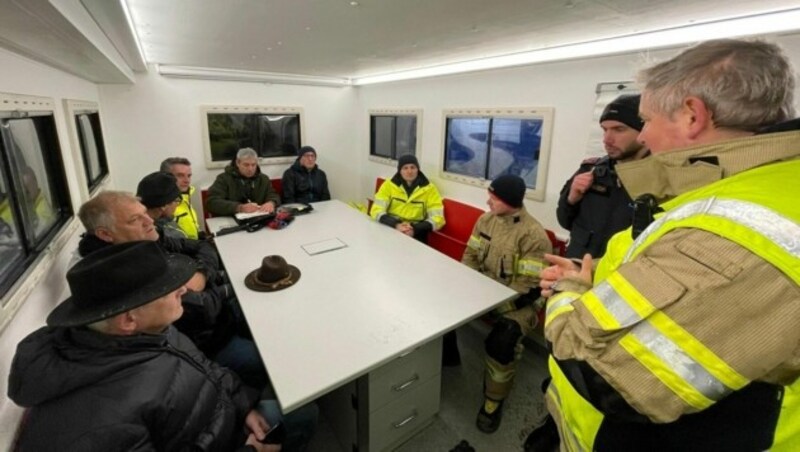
column 336, row 39
column 327, row 38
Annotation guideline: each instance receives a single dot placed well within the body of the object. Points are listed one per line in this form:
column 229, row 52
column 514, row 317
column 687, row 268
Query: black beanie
column 305, row 149
column 624, row 109
column 158, row 189
column 407, row 159
column 510, row 189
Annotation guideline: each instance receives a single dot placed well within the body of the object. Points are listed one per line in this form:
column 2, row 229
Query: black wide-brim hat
column 117, row 279
column 274, row 274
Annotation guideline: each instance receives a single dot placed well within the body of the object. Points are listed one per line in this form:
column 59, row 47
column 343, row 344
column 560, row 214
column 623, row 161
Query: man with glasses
column 304, row 181
column 161, row 196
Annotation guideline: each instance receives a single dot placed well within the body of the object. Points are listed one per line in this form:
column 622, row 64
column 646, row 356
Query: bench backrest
column 559, row 246
column 460, row 219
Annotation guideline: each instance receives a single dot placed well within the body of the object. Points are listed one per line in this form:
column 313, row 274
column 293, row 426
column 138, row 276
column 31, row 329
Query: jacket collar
column 670, row 174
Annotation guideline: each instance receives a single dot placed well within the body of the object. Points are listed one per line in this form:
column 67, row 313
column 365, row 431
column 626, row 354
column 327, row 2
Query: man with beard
column 594, row 205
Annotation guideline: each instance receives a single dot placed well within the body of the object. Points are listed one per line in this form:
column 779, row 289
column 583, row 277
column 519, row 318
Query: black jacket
column 207, row 317
column 301, row 185
column 604, row 210
column 94, row 392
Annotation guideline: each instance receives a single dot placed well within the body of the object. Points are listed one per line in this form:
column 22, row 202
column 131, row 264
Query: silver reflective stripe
column 564, row 301
column 782, row 231
column 474, row 243
column 436, row 213
column 529, row 267
column 380, row 202
column 616, row 305
column 679, row 362
column 670, row 353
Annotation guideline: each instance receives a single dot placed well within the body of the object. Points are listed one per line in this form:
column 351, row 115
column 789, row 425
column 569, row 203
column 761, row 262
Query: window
column 482, row 144
column 34, row 196
column 275, row 133
column 88, row 146
column 392, row 134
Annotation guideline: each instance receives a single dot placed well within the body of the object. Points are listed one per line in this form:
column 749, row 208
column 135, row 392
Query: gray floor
column 462, row 396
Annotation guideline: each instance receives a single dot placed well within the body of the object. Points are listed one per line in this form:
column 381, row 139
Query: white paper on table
column 245, row 216
column 323, row 246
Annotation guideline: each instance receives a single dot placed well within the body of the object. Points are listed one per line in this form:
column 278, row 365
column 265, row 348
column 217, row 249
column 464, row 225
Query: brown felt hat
column 274, row 274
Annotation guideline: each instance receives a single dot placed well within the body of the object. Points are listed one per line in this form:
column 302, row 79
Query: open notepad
column 323, row 246
column 244, row 216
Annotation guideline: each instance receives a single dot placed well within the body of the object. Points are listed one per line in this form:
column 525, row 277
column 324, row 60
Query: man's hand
column 258, row 427
column 253, row 441
column 267, row 207
column 564, row 268
column 405, row 228
column 249, row 207
column 197, row 283
column 580, row 184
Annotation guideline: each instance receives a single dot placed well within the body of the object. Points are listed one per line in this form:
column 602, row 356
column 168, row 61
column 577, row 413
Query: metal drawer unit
column 386, row 407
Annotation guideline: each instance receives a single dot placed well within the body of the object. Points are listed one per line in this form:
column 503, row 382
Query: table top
column 354, row 308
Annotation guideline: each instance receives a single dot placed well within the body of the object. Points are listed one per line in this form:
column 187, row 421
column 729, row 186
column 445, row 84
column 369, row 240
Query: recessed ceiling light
column 353, row 3
column 308, row 28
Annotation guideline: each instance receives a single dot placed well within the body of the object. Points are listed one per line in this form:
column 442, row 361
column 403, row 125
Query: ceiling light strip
column 777, row 22
column 201, row 73
column 134, row 32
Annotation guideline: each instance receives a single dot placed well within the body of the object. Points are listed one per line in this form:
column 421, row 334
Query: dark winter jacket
column 604, row 210
column 301, row 185
column 231, row 189
column 207, row 316
column 89, row 391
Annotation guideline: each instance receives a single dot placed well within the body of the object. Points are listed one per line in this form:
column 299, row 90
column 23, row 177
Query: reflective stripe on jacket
column 509, row 249
column 424, row 204
column 648, row 334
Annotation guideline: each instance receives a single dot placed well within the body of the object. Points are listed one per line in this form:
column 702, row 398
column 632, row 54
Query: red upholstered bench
column 559, row 246
column 459, row 218
column 378, row 182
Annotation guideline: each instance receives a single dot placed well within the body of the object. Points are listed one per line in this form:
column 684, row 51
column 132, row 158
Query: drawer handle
column 402, row 386
column 406, row 420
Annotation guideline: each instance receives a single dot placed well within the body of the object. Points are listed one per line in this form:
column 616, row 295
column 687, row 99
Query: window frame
column 543, row 113
column 416, row 112
column 73, row 108
column 47, row 252
column 205, row 110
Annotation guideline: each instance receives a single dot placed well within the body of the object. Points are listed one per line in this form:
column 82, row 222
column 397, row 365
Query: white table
column 354, row 309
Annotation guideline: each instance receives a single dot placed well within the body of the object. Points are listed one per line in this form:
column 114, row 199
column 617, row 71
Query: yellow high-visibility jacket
column 689, row 339
column 185, row 215
column 424, row 204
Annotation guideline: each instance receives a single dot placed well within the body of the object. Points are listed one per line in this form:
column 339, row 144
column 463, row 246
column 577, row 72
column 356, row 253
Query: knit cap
column 624, row 109
column 158, row 189
column 406, row 160
column 510, row 189
column 303, row 150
